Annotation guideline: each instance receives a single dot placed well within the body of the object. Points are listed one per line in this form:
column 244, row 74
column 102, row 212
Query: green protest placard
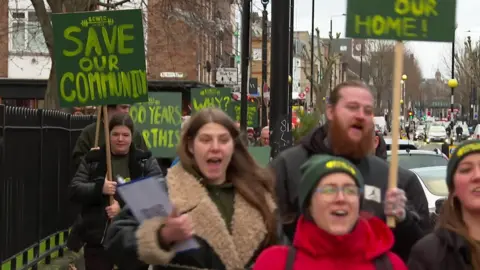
column 100, row 58
column 252, row 113
column 260, row 154
column 159, row 120
column 423, row 20
column 211, row 97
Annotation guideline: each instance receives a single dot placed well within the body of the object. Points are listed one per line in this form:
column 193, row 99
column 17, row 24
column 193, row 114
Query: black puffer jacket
column 440, row 250
column 87, row 185
column 381, row 150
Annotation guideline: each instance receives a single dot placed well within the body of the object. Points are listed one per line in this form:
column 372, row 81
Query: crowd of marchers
column 321, row 204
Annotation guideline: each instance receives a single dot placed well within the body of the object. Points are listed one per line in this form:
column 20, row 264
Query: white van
column 380, row 122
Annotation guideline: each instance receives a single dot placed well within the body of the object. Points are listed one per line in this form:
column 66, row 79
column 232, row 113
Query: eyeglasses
column 331, row 191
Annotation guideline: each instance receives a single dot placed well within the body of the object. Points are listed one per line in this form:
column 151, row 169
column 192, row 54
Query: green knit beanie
column 318, row 166
column 463, row 150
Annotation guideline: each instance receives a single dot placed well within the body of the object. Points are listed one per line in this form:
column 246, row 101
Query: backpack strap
column 290, row 258
column 383, row 262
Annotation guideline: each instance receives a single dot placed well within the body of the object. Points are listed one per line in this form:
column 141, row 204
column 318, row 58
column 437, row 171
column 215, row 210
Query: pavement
column 429, row 146
column 70, row 261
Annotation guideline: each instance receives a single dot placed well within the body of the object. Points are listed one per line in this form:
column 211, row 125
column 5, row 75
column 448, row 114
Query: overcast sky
column 430, row 55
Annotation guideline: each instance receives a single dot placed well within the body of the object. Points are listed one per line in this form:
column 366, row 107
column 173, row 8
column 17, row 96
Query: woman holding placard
column 92, row 190
column 455, row 244
column 222, row 199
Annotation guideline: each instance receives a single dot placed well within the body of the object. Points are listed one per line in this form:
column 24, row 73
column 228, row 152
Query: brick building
column 181, row 36
column 4, row 40
column 189, row 39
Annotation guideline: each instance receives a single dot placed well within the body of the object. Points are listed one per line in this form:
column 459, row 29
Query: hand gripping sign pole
column 397, row 75
column 107, row 141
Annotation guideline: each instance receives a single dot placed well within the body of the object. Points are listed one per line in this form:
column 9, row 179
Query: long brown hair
column 451, row 218
column 250, row 180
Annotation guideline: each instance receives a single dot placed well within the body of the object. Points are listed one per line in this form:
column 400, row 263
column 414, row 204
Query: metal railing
column 35, row 170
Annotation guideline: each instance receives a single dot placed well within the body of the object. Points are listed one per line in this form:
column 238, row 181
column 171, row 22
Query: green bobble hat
column 463, row 150
column 319, row 166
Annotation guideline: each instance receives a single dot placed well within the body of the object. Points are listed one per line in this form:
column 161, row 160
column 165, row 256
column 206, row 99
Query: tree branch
column 112, row 5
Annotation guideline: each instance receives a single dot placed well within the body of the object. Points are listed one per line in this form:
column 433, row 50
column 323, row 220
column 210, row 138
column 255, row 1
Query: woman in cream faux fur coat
column 135, row 246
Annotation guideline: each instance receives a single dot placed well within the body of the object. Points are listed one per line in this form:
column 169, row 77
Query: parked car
column 433, row 183
column 403, row 144
column 419, row 132
column 476, row 133
column 410, row 159
column 436, row 134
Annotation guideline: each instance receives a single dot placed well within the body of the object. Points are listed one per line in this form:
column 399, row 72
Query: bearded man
column 349, row 134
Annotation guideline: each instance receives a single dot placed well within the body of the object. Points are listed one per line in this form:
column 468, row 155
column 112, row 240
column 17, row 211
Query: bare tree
column 325, row 64
column 467, row 70
column 193, row 27
column 380, row 55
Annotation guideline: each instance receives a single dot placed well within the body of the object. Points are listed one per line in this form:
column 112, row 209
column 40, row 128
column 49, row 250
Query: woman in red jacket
column 330, row 234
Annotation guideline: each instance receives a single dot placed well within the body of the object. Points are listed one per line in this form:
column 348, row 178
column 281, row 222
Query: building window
column 26, row 33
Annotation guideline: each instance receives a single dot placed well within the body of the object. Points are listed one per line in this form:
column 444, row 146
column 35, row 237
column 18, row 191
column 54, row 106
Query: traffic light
column 410, row 114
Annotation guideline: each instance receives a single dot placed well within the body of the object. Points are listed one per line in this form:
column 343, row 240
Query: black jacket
column 381, row 150
column 375, row 173
column 134, row 245
column 86, row 189
column 459, row 130
column 440, row 250
column 86, row 141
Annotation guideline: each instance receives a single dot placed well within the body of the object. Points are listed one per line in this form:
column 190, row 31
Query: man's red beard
column 343, row 146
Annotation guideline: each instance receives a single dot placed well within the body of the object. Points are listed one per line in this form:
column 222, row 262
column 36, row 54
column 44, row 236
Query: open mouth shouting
column 214, row 163
column 356, row 130
column 339, row 213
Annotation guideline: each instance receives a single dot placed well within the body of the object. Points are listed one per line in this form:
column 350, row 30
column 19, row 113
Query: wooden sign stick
column 107, row 147
column 97, row 128
column 397, row 76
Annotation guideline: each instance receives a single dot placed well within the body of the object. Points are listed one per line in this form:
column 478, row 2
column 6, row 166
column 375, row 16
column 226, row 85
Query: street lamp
column 403, row 82
column 331, row 22
column 311, row 53
column 452, row 83
column 263, row 118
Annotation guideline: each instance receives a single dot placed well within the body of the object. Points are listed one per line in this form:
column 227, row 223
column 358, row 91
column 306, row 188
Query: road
column 423, row 145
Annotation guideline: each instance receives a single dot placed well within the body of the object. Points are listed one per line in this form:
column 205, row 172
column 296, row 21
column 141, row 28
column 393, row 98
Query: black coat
column 132, row 245
column 440, row 250
column 86, row 189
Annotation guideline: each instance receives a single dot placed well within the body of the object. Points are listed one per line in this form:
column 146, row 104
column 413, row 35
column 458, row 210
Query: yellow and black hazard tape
column 40, row 252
